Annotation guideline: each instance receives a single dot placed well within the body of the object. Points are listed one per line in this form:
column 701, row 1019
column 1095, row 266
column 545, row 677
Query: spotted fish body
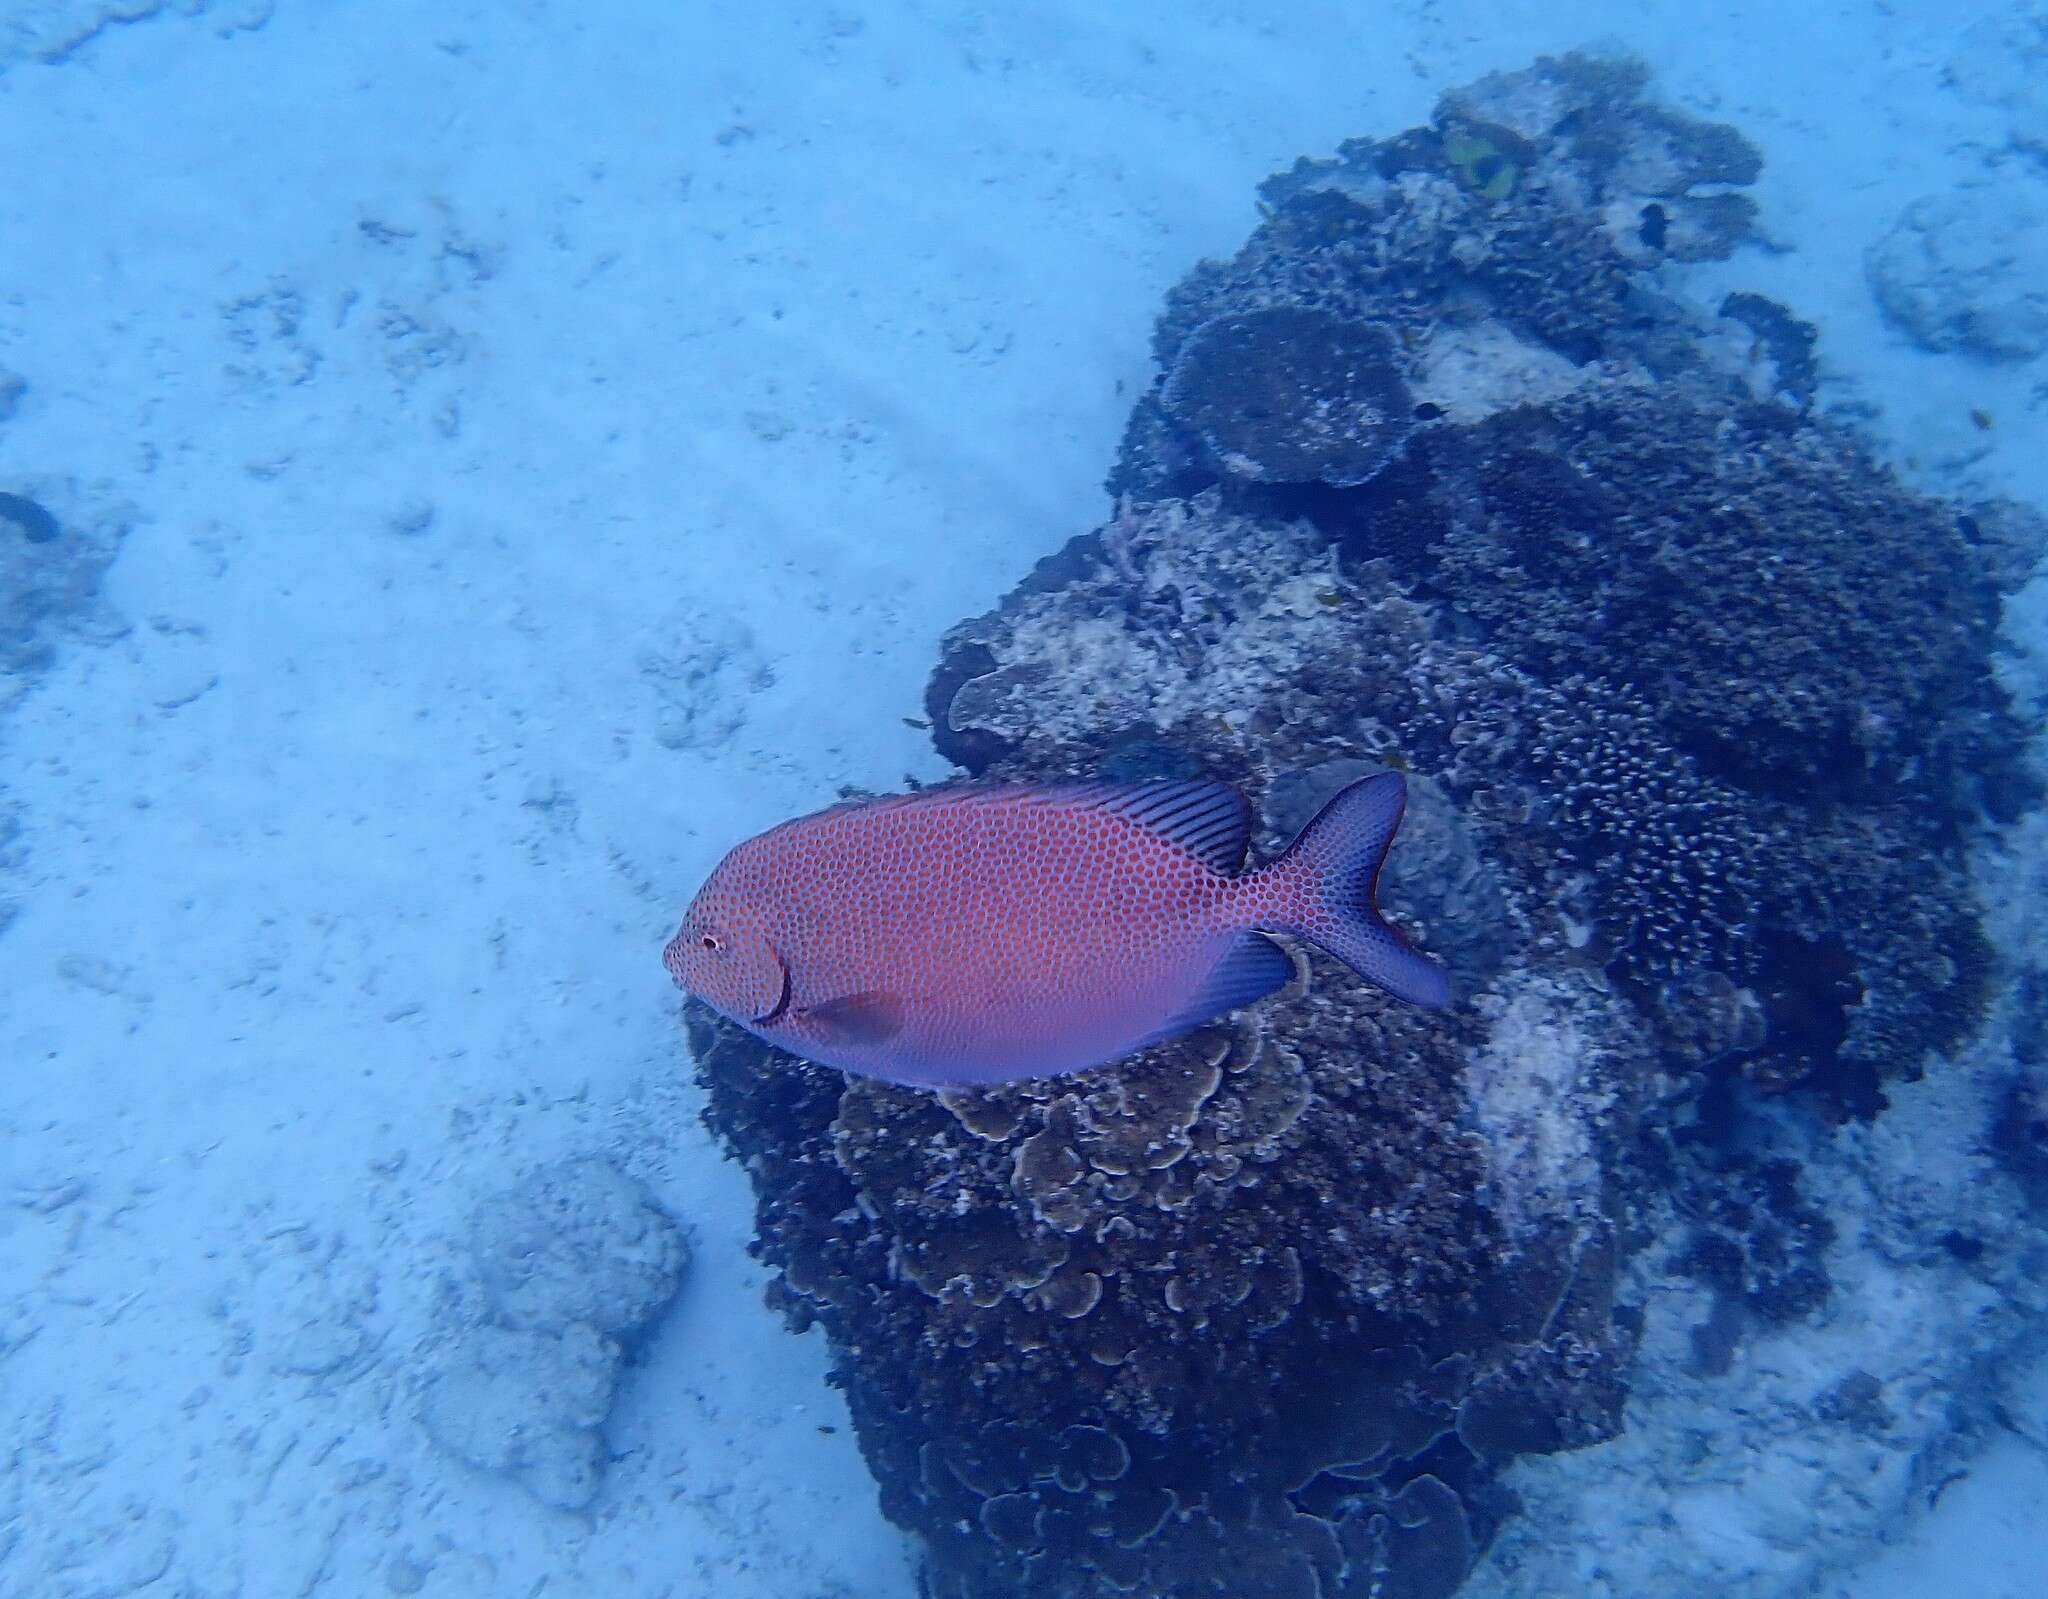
column 982, row 935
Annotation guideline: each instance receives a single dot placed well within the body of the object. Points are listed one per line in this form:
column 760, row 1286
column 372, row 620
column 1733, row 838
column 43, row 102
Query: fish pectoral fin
column 870, row 1017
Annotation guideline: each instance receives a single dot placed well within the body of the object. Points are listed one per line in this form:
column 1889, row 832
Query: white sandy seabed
column 540, row 445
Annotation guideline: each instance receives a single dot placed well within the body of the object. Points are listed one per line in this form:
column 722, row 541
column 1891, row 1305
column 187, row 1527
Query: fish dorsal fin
column 1209, row 820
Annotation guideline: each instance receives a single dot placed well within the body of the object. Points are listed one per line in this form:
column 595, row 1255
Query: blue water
column 464, row 469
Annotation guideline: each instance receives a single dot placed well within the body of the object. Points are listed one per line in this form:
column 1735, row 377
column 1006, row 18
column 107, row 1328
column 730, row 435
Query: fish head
column 721, row 955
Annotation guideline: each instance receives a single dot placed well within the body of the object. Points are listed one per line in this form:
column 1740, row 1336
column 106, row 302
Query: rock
column 577, row 1242
column 527, row 1405
column 574, row 1264
column 1962, row 271
column 703, row 669
column 412, row 515
column 28, row 519
column 2002, row 60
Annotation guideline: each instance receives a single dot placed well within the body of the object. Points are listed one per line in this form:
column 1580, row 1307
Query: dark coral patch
column 34, row 523
column 1290, row 394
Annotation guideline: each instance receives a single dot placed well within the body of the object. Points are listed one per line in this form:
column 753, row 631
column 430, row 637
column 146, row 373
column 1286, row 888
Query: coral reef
column 1760, row 1245
column 2018, row 1136
column 1697, row 711
column 1230, row 1307
column 571, row 1267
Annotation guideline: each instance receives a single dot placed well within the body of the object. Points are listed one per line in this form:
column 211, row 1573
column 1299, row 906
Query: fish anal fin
column 1250, row 969
column 869, row 1017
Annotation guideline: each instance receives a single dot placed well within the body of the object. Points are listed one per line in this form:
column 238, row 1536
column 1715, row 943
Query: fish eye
column 709, row 942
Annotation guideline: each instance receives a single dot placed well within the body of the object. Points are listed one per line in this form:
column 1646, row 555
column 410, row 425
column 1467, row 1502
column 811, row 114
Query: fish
column 968, row 936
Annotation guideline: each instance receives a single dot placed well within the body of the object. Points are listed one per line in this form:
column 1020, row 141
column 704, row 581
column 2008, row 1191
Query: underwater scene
column 1023, row 801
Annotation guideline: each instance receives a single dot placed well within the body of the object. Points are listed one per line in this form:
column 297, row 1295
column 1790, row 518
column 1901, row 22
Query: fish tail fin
column 1333, row 870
